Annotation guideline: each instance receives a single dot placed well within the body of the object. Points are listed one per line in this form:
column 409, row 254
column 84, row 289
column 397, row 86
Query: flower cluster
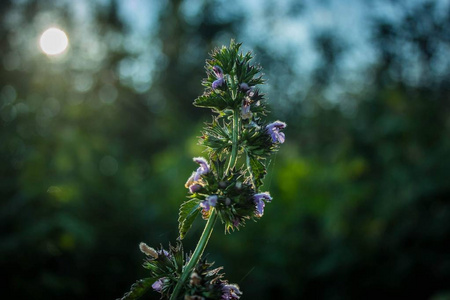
column 165, row 267
column 231, row 91
column 226, row 184
column 233, row 196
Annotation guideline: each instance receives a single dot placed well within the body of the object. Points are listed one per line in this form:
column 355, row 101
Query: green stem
column 201, row 245
column 234, row 147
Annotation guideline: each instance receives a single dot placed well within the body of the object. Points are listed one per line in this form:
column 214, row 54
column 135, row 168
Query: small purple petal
column 218, row 83
column 276, row 124
column 209, row 202
column 205, row 205
column 244, row 87
column 194, row 188
column 252, row 93
column 203, row 169
column 259, row 202
column 230, row 292
column 157, row 285
column 212, row 200
column 259, row 208
column 281, row 137
column 218, row 72
column 263, row 196
column 202, row 162
column 274, row 130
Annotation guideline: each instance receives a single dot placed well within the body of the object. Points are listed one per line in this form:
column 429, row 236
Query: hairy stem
column 201, row 245
column 234, row 147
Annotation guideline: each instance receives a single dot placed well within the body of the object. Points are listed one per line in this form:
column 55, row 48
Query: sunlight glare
column 53, row 41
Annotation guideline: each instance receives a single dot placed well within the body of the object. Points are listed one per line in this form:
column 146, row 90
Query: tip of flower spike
column 149, row 251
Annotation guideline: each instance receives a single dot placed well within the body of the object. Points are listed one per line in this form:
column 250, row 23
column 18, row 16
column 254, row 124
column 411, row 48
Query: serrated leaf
column 257, row 170
column 188, row 212
column 211, row 100
column 138, row 289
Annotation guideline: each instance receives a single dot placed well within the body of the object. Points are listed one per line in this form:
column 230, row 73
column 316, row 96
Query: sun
column 53, row 41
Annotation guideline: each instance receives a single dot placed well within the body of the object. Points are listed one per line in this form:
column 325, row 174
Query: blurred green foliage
column 94, row 157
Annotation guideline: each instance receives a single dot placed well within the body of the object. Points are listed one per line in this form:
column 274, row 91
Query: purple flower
column 219, row 75
column 195, row 177
column 208, row 202
column 259, row 208
column 230, row 292
column 202, row 162
column 158, row 285
column 193, row 188
column 203, row 169
column 274, row 130
column 165, row 253
column 259, row 202
column 212, row 200
column 218, row 72
column 218, row 83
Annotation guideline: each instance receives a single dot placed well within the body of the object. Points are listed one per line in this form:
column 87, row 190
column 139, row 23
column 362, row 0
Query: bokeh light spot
column 53, row 41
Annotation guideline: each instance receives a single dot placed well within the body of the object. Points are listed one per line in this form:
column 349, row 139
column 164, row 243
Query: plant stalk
column 201, row 245
column 234, row 147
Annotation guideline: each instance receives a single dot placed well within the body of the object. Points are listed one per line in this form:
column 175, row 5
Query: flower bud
column 244, row 87
column 148, row 250
column 238, row 185
column 158, row 285
column 195, row 279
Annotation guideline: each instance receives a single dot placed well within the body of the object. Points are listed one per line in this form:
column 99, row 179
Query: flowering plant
column 226, row 185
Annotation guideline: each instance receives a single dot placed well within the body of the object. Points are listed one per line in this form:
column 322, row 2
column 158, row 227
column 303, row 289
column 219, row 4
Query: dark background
column 97, row 143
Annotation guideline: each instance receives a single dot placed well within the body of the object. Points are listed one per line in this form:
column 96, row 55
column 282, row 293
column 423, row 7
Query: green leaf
column 138, row 289
column 211, row 100
column 257, row 170
column 188, row 212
